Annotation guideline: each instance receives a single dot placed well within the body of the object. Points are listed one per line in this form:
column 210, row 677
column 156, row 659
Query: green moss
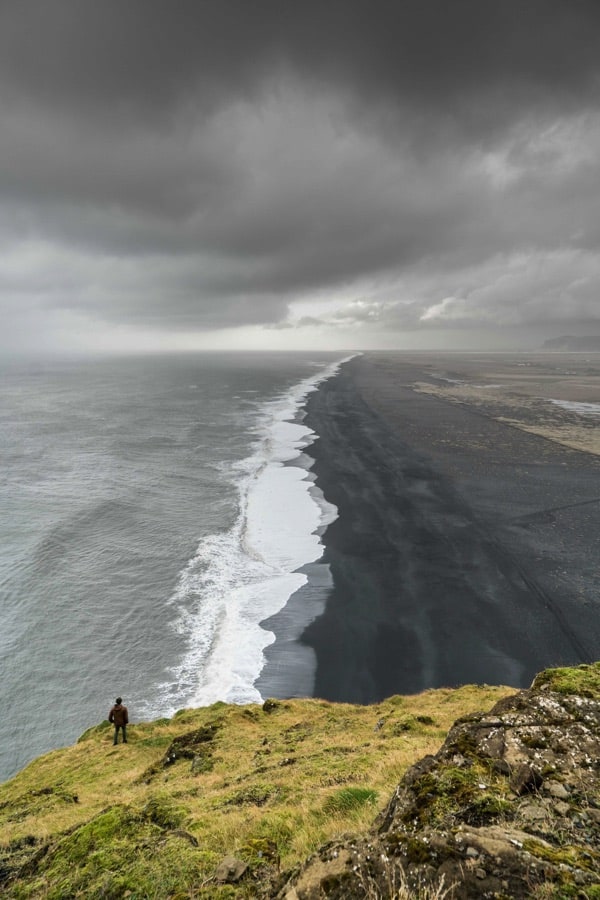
column 403, row 725
column 460, row 784
column 458, row 791
column 202, row 763
column 298, row 732
column 583, row 680
column 349, row 800
column 164, row 812
column 260, row 850
column 254, row 795
column 465, row 744
column 396, row 700
column 89, row 851
column 416, row 851
column 117, row 852
column 571, row 856
column 410, row 723
column 425, row 792
column 486, row 808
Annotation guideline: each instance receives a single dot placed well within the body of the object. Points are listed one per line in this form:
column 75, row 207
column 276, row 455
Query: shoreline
column 460, row 553
column 290, row 666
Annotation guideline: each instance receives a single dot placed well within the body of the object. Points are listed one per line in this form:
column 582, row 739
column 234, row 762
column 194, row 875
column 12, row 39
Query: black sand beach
column 466, row 550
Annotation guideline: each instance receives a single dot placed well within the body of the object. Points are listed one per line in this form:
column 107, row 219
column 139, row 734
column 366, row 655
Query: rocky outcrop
column 509, row 804
column 194, row 745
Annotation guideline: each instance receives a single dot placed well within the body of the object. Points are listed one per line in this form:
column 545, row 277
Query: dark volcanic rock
column 510, row 802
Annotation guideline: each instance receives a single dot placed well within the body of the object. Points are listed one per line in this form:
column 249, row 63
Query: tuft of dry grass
column 396, row 886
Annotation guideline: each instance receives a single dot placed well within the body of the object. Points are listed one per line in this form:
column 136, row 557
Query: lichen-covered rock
column 509, row 803
column 230, row 870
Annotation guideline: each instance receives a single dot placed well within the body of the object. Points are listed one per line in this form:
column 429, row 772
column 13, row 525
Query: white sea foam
column 583, row 409
column 242, row 576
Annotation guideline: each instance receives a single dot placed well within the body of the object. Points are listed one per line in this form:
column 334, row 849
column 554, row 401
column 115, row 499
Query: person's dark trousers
column 124, row 730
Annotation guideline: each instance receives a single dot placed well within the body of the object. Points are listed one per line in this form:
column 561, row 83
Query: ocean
column 155, row 510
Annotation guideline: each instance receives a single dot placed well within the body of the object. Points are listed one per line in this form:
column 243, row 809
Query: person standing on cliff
column 119, row 717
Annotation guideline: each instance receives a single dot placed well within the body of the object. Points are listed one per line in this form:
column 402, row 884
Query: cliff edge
column 308, row 800
column 508, row 808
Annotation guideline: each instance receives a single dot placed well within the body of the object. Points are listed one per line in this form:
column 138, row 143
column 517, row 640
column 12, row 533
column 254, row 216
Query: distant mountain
column 588, row 344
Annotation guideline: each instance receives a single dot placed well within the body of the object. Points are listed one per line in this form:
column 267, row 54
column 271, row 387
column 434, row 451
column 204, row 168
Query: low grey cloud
column 213, row 165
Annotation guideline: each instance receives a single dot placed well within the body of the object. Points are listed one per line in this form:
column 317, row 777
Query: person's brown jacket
column 118, row 714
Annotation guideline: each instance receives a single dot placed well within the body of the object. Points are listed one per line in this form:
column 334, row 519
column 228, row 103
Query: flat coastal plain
column 466, row 548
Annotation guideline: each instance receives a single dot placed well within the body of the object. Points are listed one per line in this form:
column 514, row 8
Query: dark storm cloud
column 202, row 164
column 147, row 56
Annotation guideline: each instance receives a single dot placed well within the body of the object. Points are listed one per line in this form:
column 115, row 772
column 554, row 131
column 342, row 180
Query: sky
column 323, row 174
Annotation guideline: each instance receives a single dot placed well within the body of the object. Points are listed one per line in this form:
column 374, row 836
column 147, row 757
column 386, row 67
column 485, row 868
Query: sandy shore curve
column 466, row 546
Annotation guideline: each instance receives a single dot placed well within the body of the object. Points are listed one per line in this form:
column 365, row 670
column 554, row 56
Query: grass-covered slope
column 268, row 785
column 508, row 808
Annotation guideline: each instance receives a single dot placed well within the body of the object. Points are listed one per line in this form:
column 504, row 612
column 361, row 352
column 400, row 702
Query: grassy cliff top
column 268, row 784
column 508, row 807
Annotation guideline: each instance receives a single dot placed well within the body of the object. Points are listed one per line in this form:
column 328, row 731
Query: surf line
column 240, row 577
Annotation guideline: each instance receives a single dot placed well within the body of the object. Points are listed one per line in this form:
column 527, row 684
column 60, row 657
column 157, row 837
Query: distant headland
column 569, row 343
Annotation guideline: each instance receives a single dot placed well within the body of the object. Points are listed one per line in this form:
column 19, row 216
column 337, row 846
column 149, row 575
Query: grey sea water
column 150, row 519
